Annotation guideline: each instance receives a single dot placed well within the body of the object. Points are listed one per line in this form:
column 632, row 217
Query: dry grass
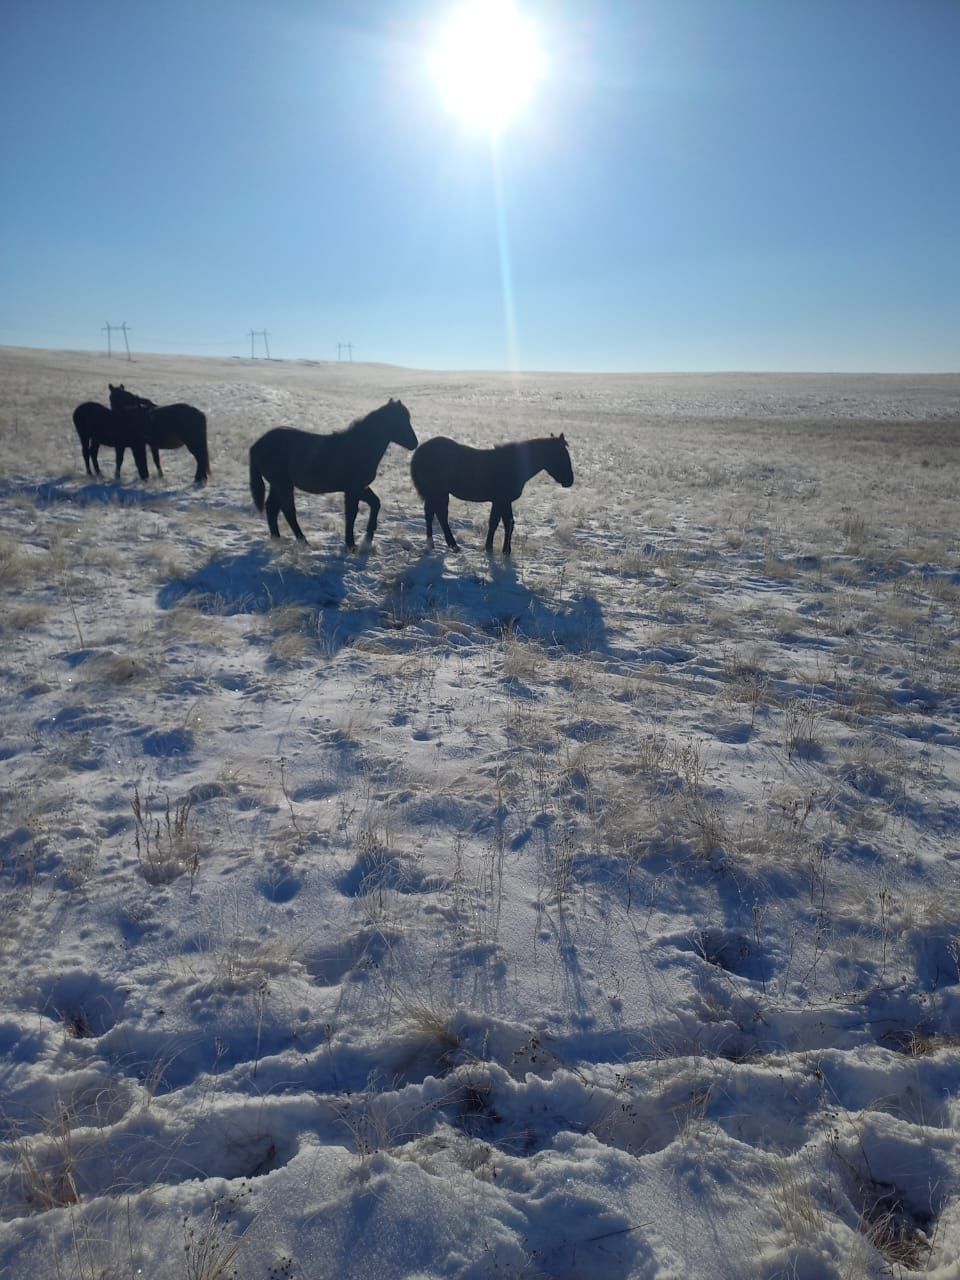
column 522, row 660
column 165, row 843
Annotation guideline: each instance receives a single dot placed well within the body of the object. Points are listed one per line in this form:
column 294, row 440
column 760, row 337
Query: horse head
column 121, row 398
column 401, row 430
column 558, row 463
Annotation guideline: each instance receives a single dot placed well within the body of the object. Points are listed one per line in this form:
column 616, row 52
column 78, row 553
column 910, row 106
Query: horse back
column 444, row 466
column 95, row 421
column 88, row 415
column 312, row 462
column 171, row 425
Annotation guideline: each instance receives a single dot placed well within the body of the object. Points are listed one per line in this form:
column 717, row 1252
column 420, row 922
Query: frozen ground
column 412, row 914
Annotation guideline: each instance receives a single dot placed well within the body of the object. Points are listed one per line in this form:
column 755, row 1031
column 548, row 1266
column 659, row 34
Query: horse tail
column 257, row 487
column 203, row 455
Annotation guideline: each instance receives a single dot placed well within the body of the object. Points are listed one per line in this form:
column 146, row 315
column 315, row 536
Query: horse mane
column 367, row 418
column 516, row 446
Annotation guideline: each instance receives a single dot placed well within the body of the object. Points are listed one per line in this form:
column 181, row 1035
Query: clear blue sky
column 697, row 184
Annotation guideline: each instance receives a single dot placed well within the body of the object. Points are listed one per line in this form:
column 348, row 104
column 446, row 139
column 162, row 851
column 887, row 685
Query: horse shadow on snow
column 422, row 597
column 496, row 601
column 48, row 493
column 253, row 581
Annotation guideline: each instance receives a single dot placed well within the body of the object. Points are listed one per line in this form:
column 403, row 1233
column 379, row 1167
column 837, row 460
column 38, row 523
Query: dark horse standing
column 166, row 426
column 343, row 462
column 119, row 429
column 441, row 467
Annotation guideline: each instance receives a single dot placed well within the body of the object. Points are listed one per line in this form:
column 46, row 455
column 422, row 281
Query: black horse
column 441, row 467
column 119, row 429
column 167, row 426
column 343, row 462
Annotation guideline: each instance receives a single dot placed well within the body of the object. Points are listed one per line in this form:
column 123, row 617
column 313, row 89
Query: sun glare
column 486, row 63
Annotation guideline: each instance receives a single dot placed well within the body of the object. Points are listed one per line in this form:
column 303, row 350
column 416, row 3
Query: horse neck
column 377, row 431
column 531, row 457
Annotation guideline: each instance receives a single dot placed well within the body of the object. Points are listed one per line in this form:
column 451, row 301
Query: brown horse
column 441, row 467
column 343, row 462
column 167, row 426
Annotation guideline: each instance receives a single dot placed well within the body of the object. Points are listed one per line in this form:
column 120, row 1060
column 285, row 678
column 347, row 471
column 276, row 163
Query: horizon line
column 121, row 358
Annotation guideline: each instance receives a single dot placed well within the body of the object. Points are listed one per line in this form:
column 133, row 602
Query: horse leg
column 290, row 515
column 273, row 510
column 87, row 446
column 492, row 527
column 119, row 450
column 443, row 508
column 139, row 452
column 351, row 504
column 156, row 459
column 200, row 475
column 507, row 527
column 373, row 502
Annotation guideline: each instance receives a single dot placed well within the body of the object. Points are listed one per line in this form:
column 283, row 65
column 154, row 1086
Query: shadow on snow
column 49, row 492
column 254, row 581
column 497, row 601
column 422, row 600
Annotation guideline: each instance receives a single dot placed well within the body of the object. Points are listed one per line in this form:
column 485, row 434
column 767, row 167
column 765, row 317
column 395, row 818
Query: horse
column 119, row 428
column 441, row 467
column 167, row 426
column 342, row 462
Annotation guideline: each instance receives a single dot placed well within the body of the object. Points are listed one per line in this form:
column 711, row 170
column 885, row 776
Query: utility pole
column 258, row 333
column 345, row 346
column 108, row 329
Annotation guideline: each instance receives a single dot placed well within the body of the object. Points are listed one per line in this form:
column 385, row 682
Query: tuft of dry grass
column 802, row 720
column 166, row 846
column 522, row 660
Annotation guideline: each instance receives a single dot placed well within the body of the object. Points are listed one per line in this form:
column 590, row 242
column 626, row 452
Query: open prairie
column 593, row 913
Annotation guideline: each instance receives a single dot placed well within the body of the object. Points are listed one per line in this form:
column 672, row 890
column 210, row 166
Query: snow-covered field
column 594, row 914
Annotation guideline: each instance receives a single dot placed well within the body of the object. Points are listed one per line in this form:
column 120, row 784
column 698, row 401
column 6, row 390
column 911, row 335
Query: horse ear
column 563, row 438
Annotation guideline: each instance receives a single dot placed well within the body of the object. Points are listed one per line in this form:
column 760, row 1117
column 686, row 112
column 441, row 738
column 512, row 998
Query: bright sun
column 486, row 63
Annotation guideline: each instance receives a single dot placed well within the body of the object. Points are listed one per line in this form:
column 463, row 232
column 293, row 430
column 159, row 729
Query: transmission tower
column 109, row 330
column 258, row 333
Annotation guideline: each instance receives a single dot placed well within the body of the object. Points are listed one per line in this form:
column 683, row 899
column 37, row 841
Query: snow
column 407, row 913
